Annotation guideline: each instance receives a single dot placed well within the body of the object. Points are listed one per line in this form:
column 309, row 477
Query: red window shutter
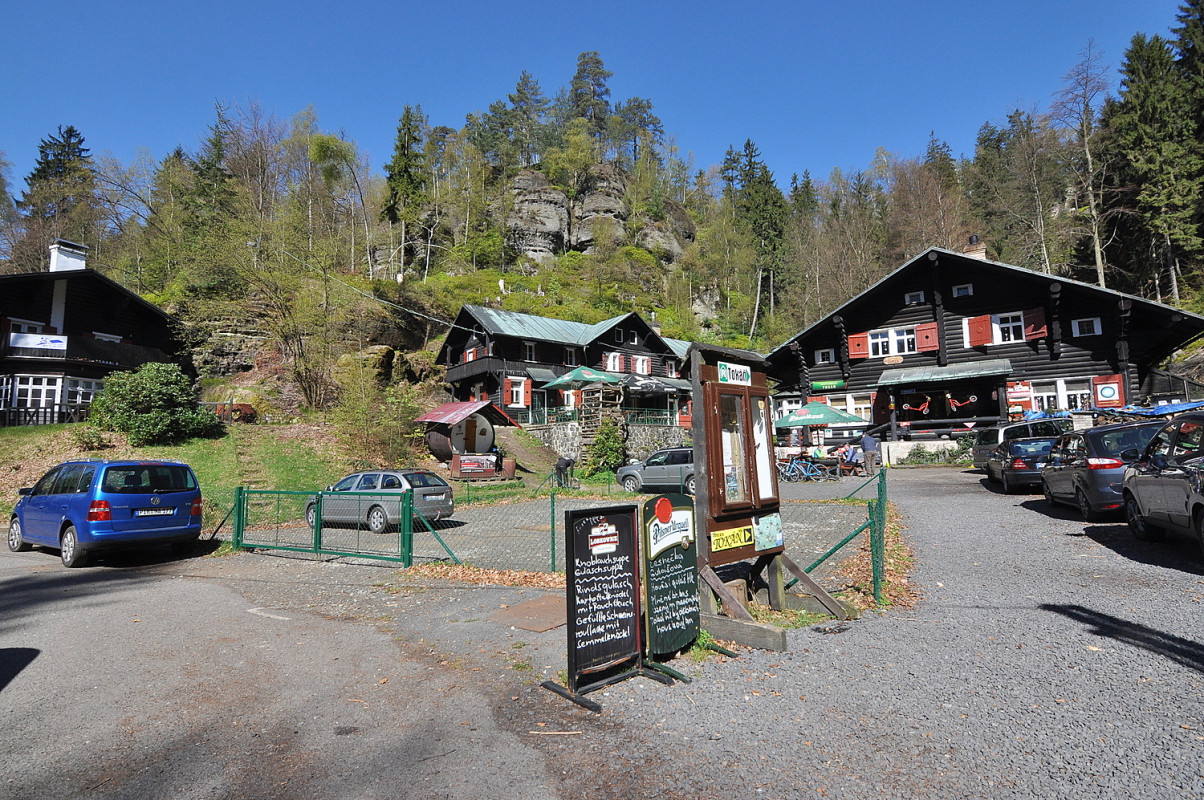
column 927, row 337
column 506, row 391
column 1034, row 324
column 859, row 345
column 527, row 392
column 980, row 331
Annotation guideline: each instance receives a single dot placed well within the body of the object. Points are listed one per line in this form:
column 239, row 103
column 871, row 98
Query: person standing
column 870, row 451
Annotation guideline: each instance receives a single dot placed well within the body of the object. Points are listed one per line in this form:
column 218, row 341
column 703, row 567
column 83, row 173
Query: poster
column 670, row 573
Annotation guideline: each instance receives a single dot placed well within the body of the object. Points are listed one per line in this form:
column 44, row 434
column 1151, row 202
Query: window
column 517, row 396
column 470, row 354
column 106, row 337
column 825, row 356
column 1008, row 327
column 368, row 482
column 1188, row 442
column 24, row 326
column 913, row 298
column 1062, row 395
column 619, row 335
column 79, row 391
column 614, row 362
column 1085, row 327
column 36, row 391
column 643, row 365
column 963, row 290
column 571, row 357
column 731, row 438
column 894, row 342
column 528, row 351
column 670, row 368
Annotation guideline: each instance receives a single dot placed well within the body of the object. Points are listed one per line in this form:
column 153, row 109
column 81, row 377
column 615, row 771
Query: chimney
column 66, row 256
column 976, row 249
column 655, row 324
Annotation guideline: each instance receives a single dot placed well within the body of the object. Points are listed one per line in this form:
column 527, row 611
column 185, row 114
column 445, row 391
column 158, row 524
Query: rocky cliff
column 544, row 222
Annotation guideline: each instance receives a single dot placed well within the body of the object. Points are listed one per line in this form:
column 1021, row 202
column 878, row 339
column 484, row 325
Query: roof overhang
column 974, row 369
column 453, row 413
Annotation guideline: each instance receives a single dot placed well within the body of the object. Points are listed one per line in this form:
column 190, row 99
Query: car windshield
column 144, row 478
column 1030, row 447
column 1117, row 441
column 425, row 479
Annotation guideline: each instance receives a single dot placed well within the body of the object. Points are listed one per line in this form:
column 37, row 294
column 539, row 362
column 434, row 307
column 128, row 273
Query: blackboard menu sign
column 670, row 573
column 603, row 595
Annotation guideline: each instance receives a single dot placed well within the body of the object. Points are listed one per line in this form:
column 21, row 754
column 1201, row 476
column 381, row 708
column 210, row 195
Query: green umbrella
column 816, row 413
column 582, row 375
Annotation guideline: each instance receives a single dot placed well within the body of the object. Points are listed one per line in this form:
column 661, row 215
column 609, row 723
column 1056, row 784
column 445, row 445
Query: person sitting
column 815, row 453
column 852, row 462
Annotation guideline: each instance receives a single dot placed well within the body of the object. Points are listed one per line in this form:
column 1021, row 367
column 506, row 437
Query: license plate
column 1040, row 465
column 435, row 496
column 153, row 512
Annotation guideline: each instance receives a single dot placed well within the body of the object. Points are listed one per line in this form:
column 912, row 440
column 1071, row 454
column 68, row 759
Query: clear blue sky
column 816, row 85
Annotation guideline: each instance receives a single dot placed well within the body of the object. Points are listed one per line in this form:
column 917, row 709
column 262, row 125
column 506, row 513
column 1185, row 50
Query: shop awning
column 952, row 372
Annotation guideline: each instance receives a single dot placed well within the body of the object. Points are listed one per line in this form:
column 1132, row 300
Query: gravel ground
column 1048, row 659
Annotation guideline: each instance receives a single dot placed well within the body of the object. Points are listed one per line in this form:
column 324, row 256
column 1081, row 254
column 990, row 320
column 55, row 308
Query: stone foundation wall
column 643, row 440
column 562, row 437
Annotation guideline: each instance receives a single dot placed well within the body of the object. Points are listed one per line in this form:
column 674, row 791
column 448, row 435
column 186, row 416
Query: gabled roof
column 1179, row 326
column 84, row 276
column 529, row 326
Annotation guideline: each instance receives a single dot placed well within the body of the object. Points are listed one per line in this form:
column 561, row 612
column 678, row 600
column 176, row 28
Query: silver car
column 987, row 439
column 373, row 498
column 1086, row 468
column 667, row 469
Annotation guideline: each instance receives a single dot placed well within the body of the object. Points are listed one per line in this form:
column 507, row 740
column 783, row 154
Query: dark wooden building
column 64, row 331
column 507, row 358
column 949, row 341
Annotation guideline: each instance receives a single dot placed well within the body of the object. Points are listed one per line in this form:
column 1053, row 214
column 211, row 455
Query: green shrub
column 88, row 437
column 155, row 404
column 607, row 451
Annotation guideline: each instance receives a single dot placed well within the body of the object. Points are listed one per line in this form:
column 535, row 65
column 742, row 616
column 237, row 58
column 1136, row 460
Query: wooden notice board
column 603, row 596
column 670, row 573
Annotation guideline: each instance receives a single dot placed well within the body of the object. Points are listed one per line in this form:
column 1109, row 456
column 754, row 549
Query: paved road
column 1048, row 658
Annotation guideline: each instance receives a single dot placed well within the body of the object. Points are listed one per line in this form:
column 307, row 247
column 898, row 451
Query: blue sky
column 816, row 85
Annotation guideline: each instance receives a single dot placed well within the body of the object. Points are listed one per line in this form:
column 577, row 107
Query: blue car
column 81, row 507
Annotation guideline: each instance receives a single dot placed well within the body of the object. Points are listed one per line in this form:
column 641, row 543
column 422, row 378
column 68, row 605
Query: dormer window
column 963, row 290
column 619, row 335
column 913, row 298
column 1085, row 327
column 825, row 356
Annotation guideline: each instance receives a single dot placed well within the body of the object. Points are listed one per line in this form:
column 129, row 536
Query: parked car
column 1162, row 486
column 82, row 507
column 1018, row 462
column 1086, row 468
column 373, row 498
column 672, row 468
column 987, row 439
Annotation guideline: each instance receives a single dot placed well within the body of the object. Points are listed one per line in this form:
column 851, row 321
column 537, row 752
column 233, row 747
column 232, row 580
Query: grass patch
column 788, row 618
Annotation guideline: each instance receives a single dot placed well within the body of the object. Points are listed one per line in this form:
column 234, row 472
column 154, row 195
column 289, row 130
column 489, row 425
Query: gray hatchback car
column 1086, row 468
column 373, row 499
column 672, row 468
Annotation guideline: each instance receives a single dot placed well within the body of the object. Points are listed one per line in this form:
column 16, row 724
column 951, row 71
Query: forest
column 278, row 230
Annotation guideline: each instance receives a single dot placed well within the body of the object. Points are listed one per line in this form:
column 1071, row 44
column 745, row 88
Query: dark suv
column 668, row 469
column 1162, row 487
column 80, row 507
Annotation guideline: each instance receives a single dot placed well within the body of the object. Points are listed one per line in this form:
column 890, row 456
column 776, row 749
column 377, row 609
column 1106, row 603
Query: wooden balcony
column 84, row 350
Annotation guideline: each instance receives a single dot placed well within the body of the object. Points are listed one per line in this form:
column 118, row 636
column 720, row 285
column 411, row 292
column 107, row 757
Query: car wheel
column 990, row 474
column 631, row 483
column 69, row 549
column 1089, row 513
column 311, row 515
column 378, row 521
column 690, row 485
column 1142, row 530
column 1198, row 519
column 16, row 539
column 1049, row 498
column 1008, row 488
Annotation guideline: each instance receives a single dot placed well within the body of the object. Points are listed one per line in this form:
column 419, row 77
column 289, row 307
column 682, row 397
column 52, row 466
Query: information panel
column 670, row 573
column 603, row 600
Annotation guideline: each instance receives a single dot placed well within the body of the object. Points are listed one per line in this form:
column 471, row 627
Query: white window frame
column 642, row 365
column 825, row 355
column 963, row 290
column 470, row 354
column 1076, row 327
column 571, row 358
column 106, row 337
column 913, row 298
column 614, row 362
column 16, row 325
column 517, row 396
column 620, row 337
column 48, row 388
column 1008, row 327
column 84, row 389
column 529, row 352
column 670, row 368
column 893, row 342
column 1065, row 394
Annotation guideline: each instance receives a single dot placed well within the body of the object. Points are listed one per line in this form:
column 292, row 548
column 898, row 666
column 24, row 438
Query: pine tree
column 60, row 199
column 405, row 180
column 528, row 106
column 589, row 94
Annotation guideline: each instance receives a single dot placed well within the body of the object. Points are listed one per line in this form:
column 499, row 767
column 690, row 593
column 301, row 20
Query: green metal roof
column 953, row 372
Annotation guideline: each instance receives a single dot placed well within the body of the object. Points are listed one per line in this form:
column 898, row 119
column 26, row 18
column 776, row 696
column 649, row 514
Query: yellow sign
column 731, row 538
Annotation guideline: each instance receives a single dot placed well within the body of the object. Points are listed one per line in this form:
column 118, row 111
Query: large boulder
column 539, row 217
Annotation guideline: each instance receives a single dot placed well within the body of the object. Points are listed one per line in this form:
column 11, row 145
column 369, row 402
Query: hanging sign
column 823, row 386
column 670, row 573
column 603, row 607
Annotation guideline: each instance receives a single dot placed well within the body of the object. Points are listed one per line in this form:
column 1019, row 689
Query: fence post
column 239, row 517
column 317, row 531
column 552, row 535
column 878, row 548
column 407, row 529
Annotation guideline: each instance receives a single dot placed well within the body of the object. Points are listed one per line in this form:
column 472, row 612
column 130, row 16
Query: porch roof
column 953, row 372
